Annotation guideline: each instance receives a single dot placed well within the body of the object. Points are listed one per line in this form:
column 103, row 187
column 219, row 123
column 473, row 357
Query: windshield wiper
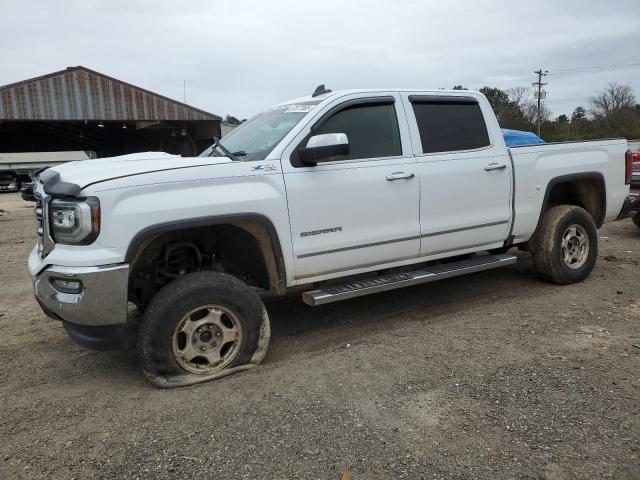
column 240, row 153
column 223, row 149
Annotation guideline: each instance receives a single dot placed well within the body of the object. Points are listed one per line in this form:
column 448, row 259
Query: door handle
column 400, row 176
column 495, row 166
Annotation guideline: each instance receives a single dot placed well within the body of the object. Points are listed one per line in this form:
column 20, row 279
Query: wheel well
column 242, row 248
column 587, row 193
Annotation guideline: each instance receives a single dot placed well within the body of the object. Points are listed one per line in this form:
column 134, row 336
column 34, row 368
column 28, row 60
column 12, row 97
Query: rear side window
column 372, row 130
column 450, row 126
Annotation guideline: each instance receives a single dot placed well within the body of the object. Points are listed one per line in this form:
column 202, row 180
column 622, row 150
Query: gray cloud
column 241, row 57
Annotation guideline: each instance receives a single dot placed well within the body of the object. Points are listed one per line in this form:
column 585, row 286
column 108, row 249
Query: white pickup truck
column 335, row 195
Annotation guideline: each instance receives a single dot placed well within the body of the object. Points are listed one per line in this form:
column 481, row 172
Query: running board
column 368, row 286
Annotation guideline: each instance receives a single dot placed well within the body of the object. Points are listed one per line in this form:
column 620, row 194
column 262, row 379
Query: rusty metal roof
column 78, row 93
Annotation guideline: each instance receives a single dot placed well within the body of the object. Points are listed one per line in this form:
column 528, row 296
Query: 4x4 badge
column 265, row 167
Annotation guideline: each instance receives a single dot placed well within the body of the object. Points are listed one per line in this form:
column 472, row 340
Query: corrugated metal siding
column 82, row 94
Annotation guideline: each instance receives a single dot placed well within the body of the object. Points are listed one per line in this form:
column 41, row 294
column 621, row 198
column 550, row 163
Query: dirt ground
column 495, row 376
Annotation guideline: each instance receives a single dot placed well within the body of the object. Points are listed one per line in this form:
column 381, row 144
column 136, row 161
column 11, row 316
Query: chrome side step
column 367, row 286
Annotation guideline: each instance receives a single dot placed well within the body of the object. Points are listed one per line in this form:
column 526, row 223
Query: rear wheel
column 202, row 324
column 636, row 219
column 566, row 245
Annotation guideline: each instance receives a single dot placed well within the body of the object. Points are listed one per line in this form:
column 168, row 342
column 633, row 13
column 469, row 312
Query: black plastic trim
column 53, row 186
column 355, row 247
column 630, row 207
column 443, row 99
column 464, row 229
column 570, row 177
column 404, row 239
column 106, row 337
column 145, row 233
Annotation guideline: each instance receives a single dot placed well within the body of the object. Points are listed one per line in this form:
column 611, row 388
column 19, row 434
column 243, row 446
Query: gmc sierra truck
column 334, row 196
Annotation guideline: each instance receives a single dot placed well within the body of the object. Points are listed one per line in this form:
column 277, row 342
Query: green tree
column 579, row 115
column 512, row 107
column 502, row 106
column 498, row 99
column 231, row 120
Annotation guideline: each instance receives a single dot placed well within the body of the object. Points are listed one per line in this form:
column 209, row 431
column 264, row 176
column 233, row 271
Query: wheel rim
column 207, row 339
column 575, row 246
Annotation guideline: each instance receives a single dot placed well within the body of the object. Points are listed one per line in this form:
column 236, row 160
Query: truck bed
column 538, row 167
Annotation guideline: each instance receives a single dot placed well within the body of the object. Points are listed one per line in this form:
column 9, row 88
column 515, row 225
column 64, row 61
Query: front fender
column 134, row 207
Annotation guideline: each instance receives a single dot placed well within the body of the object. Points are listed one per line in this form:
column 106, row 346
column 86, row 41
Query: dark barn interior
column 80, row 109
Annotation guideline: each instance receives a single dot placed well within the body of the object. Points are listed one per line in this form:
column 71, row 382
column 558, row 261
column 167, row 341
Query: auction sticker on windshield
column 298, row 108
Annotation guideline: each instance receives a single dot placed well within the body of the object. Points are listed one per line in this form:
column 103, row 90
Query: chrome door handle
column 399, row 176
column 495, row 166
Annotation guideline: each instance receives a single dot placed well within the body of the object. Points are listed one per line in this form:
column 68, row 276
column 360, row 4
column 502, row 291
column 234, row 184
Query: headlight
column 75, row 222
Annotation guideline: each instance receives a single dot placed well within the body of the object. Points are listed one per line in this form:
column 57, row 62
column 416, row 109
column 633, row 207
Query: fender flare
column 173, row 225
column 571, row 177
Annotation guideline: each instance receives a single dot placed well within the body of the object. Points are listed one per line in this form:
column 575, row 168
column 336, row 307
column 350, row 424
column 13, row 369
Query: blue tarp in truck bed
column 518, row 137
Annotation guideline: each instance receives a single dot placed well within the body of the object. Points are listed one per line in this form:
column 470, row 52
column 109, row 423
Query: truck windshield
column 255, row 138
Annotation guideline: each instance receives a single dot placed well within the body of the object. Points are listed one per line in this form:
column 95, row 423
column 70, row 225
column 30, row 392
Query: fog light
column 67, row 286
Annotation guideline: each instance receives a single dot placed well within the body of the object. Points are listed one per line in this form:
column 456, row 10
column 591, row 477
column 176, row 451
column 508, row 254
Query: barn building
column 81, row 109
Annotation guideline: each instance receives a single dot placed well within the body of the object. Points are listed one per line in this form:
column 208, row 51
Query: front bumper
column 101, row 301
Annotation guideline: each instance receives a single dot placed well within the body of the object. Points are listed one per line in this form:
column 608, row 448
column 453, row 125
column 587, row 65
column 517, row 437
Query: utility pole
column 541, row 73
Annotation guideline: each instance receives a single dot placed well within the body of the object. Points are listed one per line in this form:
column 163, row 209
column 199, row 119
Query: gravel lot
column 492, row 376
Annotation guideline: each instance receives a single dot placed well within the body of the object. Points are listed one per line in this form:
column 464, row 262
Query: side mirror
column 324, row 148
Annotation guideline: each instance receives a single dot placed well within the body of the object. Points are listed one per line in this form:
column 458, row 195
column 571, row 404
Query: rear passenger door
column 464, row 170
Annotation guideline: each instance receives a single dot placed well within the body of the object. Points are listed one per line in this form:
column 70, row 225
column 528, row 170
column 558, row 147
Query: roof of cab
column 431, row 91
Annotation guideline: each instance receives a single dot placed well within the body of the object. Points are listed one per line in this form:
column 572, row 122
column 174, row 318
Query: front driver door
column 360, row 211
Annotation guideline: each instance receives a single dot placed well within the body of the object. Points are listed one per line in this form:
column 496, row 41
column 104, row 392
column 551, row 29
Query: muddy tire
column 200, row 324
column 565, row 247
column 636, row 219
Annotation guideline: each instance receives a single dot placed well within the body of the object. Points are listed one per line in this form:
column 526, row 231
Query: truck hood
column 88, row 172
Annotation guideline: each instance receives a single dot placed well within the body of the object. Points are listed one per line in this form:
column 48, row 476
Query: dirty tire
column 636, row 219
column 169, row 306
column 547, row 253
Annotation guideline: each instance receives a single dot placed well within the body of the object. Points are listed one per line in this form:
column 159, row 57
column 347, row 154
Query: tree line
column 611, row 112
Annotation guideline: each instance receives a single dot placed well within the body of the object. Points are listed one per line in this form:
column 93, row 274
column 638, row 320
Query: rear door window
column 448, row 126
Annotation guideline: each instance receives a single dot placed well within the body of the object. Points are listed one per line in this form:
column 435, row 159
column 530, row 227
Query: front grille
column 39, row 216
column 43, row 236
column 39, row 211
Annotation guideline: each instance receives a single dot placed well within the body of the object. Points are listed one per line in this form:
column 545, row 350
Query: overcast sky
column 241, row 57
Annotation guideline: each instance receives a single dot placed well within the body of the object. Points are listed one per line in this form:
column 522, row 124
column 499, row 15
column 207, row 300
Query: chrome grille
column 39, row 216
column 39, row 211
column 45, row 242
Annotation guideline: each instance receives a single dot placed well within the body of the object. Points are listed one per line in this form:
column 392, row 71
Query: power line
column 596, row 67
column 553, row 71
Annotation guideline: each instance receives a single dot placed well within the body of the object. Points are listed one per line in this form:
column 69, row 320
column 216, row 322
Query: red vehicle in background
column 635, row 180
